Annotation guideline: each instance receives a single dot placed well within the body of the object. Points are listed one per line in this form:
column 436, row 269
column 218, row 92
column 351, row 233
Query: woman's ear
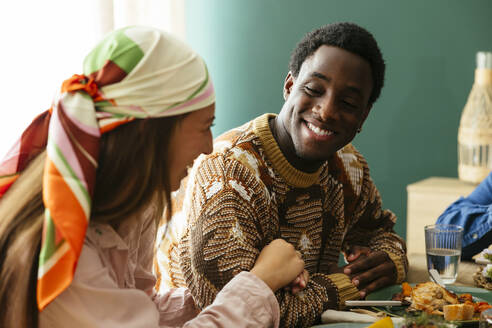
column 288, row 83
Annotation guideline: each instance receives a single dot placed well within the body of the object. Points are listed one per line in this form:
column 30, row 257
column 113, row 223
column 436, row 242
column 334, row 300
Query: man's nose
column 326, row 108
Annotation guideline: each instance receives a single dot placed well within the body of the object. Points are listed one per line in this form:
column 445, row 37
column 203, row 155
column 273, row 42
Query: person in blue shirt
column 474, row 214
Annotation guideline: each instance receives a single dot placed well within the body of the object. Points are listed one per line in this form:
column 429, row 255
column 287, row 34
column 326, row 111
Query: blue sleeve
column 482, row 195
column 473, row 213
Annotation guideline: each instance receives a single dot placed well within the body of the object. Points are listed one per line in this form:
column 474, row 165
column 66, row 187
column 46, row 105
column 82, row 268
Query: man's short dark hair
column 347, row 36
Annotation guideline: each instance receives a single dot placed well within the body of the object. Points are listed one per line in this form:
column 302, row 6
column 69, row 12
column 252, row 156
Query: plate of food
column 457, row 305
column 483, row 277
column 484, row 257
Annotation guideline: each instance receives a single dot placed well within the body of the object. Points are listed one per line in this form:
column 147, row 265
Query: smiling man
column 294, row 176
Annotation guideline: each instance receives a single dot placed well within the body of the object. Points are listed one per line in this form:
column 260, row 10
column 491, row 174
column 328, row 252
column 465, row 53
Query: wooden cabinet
column 427, row 199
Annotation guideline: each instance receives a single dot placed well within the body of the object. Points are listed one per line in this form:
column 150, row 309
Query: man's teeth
column 319, row 131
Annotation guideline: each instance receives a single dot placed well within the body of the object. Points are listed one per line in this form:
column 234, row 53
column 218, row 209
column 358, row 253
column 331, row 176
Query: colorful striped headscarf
column 135, row 72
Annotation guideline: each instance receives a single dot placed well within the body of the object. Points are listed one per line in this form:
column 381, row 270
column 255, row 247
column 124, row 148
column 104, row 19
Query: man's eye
column 350, row 104
column 312, row 92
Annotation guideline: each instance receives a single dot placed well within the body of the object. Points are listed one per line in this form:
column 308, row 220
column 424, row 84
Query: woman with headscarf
column 83, row 188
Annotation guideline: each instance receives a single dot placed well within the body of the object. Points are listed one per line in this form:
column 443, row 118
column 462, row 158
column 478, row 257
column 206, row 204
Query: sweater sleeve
column 372, row 226
column 228, row 225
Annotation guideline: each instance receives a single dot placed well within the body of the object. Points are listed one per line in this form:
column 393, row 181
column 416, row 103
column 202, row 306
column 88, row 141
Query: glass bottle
column 475, row 131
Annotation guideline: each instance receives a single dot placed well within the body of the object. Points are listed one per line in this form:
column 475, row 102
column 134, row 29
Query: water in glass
column 445, row 261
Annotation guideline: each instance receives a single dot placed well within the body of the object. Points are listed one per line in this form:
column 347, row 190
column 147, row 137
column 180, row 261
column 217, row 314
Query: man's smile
column 319, row 133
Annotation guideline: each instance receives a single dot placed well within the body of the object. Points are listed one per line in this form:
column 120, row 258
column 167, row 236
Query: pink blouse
column 113, row 286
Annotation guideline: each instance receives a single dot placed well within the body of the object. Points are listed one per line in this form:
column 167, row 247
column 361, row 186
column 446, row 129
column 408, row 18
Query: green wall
column 429, row 47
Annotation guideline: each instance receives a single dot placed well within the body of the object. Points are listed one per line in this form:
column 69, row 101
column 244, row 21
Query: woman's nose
column 209, row 146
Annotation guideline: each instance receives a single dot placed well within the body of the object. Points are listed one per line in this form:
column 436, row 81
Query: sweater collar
column 293, row 176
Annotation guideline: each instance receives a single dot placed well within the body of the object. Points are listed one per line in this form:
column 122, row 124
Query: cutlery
column 375, row 303
column 434, row 276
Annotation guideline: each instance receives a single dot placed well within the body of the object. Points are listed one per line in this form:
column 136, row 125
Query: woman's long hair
column 133, row 171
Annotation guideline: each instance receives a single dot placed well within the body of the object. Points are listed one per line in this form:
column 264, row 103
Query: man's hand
column 357, row 252
column 369, row 270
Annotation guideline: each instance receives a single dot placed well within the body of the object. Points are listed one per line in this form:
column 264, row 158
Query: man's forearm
column 394, row 246
column 322, row 292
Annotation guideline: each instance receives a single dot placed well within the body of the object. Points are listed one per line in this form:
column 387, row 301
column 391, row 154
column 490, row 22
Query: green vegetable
column 489, row 272
column 426, row 320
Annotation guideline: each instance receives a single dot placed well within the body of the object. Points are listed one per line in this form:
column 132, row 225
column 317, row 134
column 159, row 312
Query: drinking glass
column 443, row 250
column 486, row 319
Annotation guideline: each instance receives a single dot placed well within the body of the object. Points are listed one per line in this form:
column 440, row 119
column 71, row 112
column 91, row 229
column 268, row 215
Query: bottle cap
column 484, row 59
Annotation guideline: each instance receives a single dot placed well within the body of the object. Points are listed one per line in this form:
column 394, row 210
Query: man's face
column 326, row 103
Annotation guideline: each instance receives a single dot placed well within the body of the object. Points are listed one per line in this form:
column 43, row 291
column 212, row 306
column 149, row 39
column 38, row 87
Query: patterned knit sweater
column 245, row 194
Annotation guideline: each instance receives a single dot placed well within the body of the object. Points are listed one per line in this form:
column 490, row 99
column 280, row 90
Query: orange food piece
column 482, row 306
column 458, row 312
column 406, row 289
column 465, row 297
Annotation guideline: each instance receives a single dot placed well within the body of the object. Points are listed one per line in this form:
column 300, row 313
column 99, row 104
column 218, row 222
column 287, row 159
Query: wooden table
column 418, row 271
column 427, row 199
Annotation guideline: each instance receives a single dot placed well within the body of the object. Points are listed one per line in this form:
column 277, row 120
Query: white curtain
column 164, row 14
column 44, row 43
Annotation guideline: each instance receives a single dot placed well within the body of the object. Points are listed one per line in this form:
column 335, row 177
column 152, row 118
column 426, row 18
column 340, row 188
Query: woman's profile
column 83, row 188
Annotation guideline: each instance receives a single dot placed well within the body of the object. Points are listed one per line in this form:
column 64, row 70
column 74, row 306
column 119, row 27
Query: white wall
column 43, row 42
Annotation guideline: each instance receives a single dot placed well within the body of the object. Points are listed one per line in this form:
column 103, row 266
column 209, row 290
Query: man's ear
column 288, row 83
column 365, row 114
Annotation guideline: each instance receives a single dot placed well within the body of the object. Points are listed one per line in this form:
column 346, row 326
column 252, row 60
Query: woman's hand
column 278, row 264
column 299, row 283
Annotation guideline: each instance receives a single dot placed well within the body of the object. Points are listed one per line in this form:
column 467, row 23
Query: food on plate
column 483, row 277
column 382, row 323
column 481, row 306
column 487, row 272
column 463, row 311
column 406, row 289
column 487, row 254
column 433, row 299
column 425, row 320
